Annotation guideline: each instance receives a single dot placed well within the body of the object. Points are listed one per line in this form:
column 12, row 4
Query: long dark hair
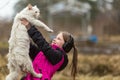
column 68, row 37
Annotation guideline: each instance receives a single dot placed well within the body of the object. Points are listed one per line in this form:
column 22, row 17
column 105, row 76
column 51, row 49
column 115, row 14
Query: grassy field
column 94, row 67
column 90, row 67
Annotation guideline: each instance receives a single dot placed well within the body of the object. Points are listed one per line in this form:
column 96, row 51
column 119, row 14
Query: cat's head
column 31, row 11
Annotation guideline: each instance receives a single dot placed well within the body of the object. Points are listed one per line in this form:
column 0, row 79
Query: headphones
column 67, row 46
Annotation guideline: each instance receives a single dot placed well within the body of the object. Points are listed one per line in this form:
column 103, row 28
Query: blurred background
column 94, row 24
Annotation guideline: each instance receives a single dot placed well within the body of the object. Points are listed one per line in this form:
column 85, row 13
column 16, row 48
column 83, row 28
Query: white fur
column 18, row 56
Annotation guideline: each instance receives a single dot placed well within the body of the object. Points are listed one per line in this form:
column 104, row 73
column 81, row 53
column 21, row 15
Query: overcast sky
column 6, row 8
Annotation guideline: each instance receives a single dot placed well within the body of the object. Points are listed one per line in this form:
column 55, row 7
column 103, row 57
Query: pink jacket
column 42, row 65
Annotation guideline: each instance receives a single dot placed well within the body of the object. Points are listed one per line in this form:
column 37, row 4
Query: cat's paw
column 50, row 30
column 37, row 75
column 40, row 75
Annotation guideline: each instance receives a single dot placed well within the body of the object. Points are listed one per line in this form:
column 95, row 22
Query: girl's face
column 58, row 40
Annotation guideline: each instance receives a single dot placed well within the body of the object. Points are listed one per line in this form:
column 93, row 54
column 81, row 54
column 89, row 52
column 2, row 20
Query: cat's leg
column 13, row 74
column 41, row 24
column 30, row 69
column 34, row 22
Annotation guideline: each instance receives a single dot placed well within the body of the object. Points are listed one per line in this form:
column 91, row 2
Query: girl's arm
column 54, row 56
column 33, row 51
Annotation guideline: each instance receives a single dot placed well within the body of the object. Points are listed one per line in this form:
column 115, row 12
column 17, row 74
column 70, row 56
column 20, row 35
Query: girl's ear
column 29, row 6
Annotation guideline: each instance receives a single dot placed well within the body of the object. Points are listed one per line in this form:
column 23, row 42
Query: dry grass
column 94, row 67
column 90, row 67
column 3, row 67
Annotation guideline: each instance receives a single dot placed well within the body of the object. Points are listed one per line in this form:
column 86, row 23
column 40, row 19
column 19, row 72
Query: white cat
column 18, row 56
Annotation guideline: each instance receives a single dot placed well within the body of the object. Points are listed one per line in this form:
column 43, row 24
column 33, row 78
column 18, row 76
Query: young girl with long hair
column 50, row 58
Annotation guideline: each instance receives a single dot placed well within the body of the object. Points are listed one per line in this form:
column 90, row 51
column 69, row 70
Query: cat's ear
column 29, row 6
column 35, row 6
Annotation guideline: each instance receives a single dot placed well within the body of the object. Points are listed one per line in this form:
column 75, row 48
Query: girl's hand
column 26, row 23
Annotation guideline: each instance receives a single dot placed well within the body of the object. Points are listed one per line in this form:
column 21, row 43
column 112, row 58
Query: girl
column 49, row 58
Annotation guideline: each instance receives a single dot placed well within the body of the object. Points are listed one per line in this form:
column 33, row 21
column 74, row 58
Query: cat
column 19, row 43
